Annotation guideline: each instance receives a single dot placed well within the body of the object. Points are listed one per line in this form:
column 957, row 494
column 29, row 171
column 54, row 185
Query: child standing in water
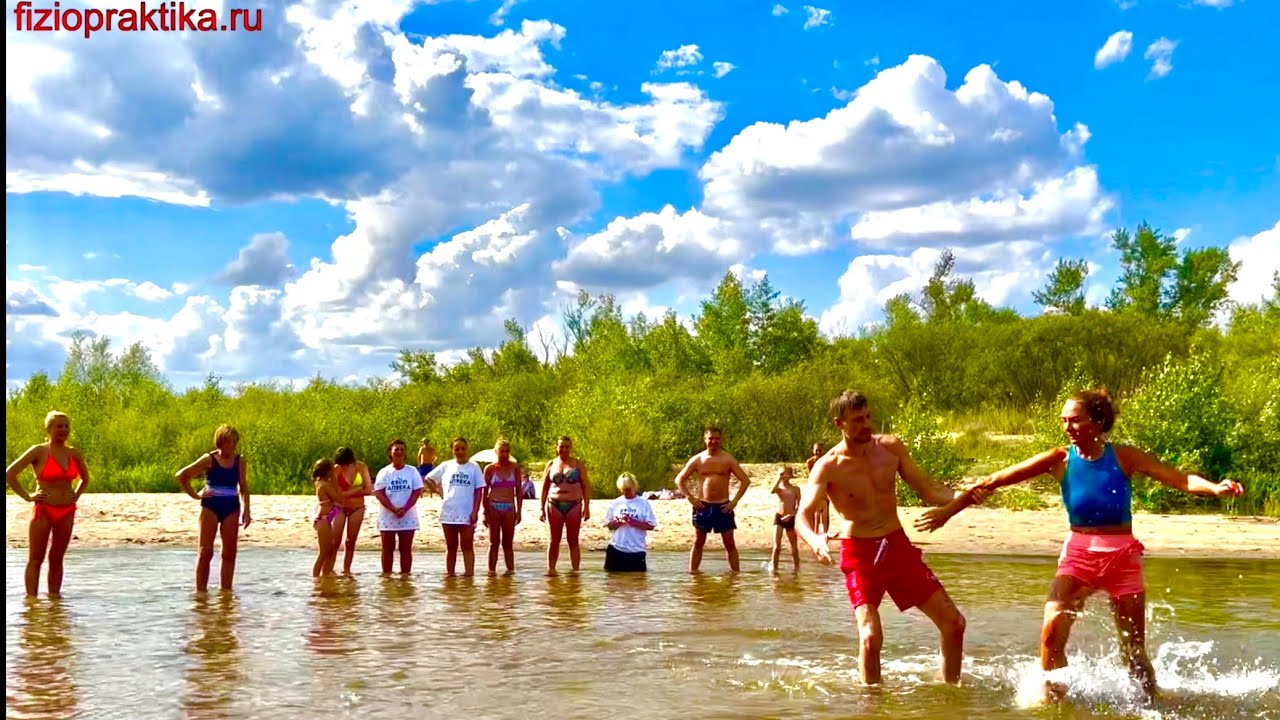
column 330, row 498
column 225, row 483
column 785, row 518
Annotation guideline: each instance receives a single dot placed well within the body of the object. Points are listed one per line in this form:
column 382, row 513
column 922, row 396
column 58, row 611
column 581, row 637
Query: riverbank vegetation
column 972, row 387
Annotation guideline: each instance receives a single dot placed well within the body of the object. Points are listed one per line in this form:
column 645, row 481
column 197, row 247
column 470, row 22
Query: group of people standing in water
column 857, row 478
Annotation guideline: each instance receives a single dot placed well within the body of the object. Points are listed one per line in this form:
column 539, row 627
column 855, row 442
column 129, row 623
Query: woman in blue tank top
column 1101, row 553
column 225, row 488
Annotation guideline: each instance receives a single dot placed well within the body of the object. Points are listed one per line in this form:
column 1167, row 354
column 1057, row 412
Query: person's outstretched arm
column 935, row 518
column 930, row 491
column 1139, row 461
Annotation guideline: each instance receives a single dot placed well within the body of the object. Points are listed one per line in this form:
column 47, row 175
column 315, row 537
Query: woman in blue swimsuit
column 566, row 502
column 226, row 487
column 1101, row 553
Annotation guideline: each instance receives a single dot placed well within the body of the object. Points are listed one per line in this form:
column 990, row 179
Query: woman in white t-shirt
column 461, row 484
column 630, row 517
column 397, row 487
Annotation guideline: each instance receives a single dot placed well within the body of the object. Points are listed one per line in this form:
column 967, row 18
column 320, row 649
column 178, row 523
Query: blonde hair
column 225, row 433
column 53, row 416
column 502, row 441
column 626, row 479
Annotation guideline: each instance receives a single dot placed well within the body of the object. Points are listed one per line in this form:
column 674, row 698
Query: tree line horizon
column 1197, row 377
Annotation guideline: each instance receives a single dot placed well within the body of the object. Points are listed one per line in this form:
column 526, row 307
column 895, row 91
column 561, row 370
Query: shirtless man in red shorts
column 858, row 477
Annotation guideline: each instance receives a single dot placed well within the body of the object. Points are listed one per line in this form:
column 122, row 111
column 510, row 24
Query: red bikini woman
column 56, row 465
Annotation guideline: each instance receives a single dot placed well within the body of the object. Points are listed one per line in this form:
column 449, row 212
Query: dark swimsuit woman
column 226, row 485
column 53, row 517
column 566, row 503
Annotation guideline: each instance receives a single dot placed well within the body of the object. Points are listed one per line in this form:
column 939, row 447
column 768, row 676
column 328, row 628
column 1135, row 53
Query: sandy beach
column 285, row 521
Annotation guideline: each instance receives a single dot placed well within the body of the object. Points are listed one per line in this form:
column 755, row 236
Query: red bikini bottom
column 55, row 513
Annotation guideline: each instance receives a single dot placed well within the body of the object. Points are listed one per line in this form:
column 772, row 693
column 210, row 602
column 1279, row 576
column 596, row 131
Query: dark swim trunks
column 712, row 518
column 784, row 524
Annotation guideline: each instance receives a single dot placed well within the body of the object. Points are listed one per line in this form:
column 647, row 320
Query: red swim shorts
column 874, row 566
column 1104, row 562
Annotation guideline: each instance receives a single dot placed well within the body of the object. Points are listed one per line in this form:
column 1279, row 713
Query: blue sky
column 363, row 177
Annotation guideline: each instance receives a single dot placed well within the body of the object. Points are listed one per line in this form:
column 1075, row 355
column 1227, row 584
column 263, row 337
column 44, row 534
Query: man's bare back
column 861, row 483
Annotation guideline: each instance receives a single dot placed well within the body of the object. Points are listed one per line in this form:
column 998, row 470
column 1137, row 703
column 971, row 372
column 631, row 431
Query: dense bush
column 635, row 394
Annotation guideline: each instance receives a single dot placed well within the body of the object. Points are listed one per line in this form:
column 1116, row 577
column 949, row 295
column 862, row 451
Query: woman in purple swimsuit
column 566, row 502
column 502, row 507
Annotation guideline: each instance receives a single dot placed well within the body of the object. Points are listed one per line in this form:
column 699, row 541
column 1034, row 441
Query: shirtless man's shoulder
column 720, row 462
column 885, row 450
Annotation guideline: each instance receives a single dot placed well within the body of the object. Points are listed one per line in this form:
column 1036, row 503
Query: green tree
column 948, row 298
column 1147, row 261
column 1156, row 282
column 1064, row 291
column 674, row 351
column 417, row 367
column 724, row 327
column 513, row 356
column 1200, row 285
column 787, row 338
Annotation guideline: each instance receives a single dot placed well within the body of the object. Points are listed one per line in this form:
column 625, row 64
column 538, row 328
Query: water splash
column 1192, row 684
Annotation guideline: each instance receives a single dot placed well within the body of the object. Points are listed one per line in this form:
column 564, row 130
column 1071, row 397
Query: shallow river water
column 131, row 640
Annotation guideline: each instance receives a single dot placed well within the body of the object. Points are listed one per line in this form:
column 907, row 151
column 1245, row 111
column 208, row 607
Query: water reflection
column 43, row 670
column 335, row 618
column 497, row 615
column 564, row 603
column 662, row 645
column 216, row 674
column 711, row 595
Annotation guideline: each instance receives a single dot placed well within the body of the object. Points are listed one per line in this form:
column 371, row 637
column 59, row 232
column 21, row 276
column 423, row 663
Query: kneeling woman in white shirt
column 630, row 517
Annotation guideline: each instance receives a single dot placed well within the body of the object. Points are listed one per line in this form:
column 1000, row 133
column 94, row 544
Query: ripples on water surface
column 132, row 641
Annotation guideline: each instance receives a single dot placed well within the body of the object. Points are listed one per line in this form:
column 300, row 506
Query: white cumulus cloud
column 723, row 68
column 1259, row 258
column 683, row 56
column 1114, row 50
column 1160, row 53
column 816, row 17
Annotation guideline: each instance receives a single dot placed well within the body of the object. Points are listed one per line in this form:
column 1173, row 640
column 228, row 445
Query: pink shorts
column 874, row 566
column 1104, row 562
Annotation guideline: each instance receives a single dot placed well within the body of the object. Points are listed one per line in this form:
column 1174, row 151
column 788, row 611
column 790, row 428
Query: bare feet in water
column 1054, row 692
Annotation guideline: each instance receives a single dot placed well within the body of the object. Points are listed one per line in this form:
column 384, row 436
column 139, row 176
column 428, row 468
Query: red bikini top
column 53, row 472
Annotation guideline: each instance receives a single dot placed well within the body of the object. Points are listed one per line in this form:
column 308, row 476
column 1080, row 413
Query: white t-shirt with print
column 459, row 484
column 628, row 538
column 398, row 485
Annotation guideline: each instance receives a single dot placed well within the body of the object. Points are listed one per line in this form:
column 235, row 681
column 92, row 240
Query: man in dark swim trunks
column 713, row 513
column 784, row 521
